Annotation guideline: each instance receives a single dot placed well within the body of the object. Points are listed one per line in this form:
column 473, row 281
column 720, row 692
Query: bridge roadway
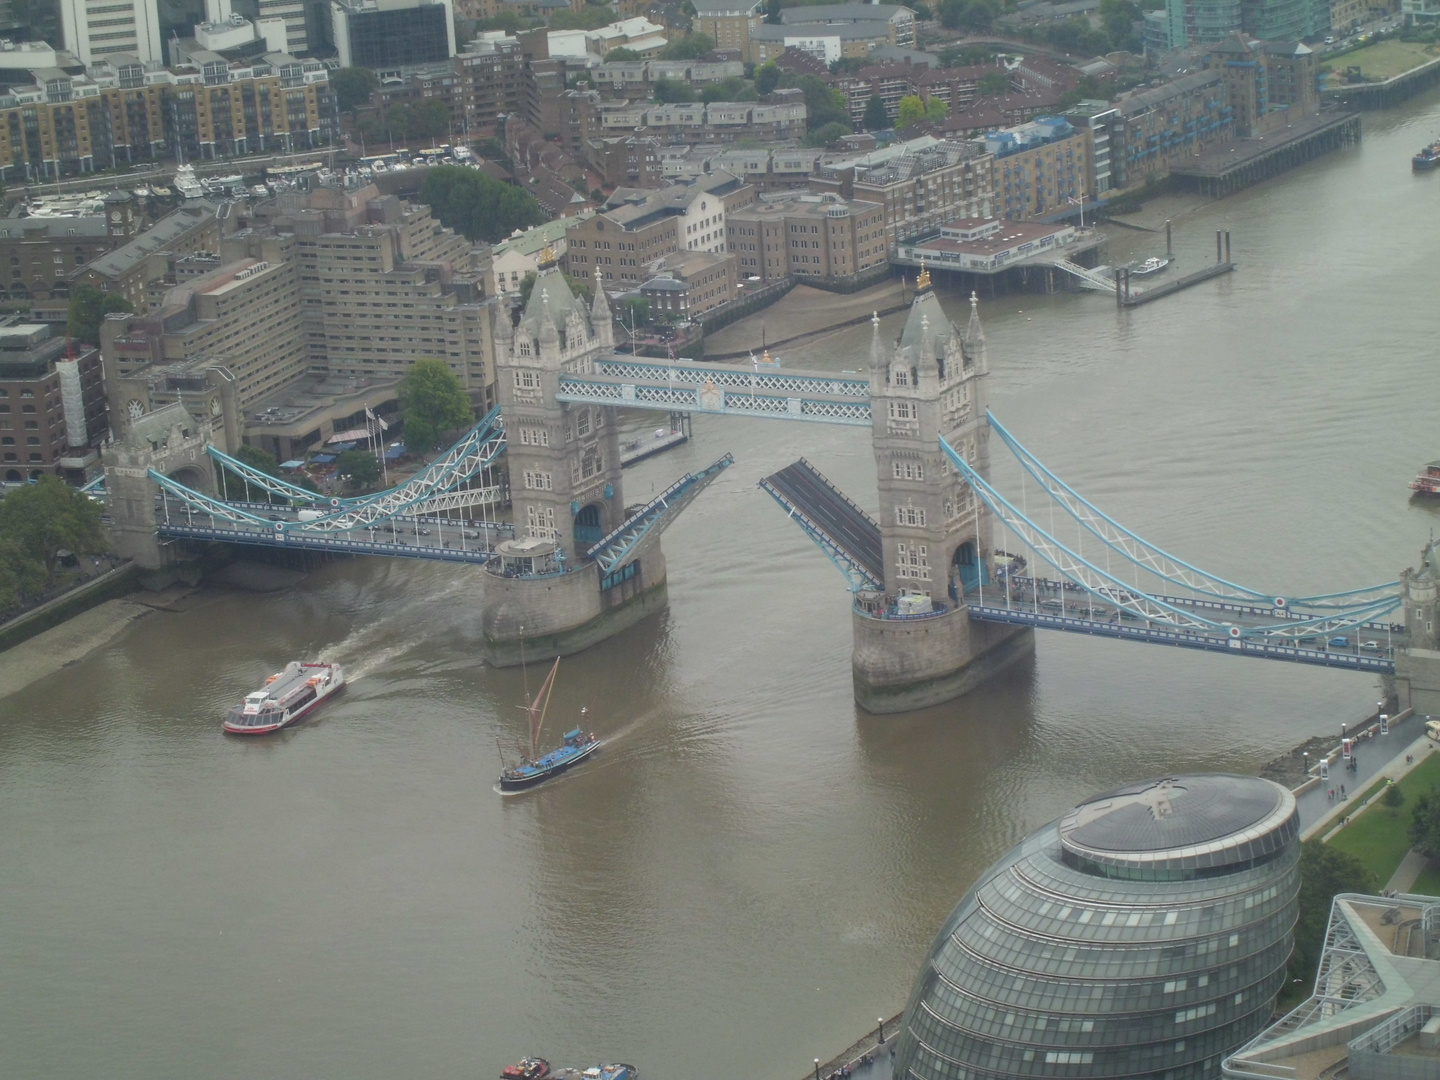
column 415, row 537
column 824, row 510
column 1370, row 646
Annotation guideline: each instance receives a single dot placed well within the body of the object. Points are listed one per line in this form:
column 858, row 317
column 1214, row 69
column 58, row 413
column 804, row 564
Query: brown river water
column 752, row 868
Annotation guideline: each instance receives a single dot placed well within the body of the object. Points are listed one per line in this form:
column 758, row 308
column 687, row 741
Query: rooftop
column 168, row 228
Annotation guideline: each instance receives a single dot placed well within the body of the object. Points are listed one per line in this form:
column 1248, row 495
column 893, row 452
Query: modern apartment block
column 636, row 227
column 122, row 110
column 52, row 404
column 729, row 22
column 807, row 235
column 1154, row 127
column 698, row 122
column 921, row 183
column 1041, row 168
column 829, row 32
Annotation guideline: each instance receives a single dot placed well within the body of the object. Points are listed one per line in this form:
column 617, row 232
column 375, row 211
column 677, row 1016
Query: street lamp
column 1306, row 755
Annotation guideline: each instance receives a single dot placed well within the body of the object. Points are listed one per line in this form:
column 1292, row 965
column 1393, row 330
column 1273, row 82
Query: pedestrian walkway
column 1381, row 756
column 1410, row 868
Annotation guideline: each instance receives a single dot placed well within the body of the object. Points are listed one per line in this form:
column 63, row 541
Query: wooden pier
column 1226, row 169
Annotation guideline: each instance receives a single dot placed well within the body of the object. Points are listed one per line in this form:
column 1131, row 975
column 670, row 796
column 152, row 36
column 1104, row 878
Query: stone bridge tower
column 170, row 441
column 936, row 535
column 565, row 486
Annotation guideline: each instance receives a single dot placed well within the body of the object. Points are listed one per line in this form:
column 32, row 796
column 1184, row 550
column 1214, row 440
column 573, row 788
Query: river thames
column 752, row 869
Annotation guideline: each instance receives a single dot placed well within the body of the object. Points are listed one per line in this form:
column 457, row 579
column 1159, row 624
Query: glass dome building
column 1144, row 934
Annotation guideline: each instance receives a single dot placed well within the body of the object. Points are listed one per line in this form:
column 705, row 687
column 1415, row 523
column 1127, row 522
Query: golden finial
column 547, row 256
column 923, row 281
column 765, row 358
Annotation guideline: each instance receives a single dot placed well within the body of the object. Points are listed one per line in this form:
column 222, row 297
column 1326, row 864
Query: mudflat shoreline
column 50, row 650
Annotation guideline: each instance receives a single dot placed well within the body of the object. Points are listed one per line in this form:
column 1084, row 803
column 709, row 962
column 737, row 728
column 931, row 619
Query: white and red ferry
column 285, row 698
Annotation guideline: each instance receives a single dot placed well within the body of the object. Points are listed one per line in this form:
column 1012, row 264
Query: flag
column 369, row 413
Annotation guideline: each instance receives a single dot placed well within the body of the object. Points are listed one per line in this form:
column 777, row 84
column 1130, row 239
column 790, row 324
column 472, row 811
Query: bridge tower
column 936, row 535
column 565, row 486
column 1417, row 662
column 170, row 441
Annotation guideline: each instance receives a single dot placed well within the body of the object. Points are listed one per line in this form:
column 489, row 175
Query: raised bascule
column 936, row 606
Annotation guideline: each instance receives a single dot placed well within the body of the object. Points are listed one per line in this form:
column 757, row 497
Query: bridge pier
column 904, row 664
column 541, row 616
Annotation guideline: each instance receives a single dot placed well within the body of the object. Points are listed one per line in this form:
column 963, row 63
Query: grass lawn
column 1384, row 59
column 1378, row 836
column 1428, row 883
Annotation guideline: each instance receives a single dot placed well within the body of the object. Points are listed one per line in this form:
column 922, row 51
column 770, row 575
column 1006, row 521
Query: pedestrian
column 1342, row 791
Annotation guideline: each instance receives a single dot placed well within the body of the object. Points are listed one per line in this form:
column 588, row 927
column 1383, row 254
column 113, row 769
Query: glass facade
column 1144, row 934
column 385, row 40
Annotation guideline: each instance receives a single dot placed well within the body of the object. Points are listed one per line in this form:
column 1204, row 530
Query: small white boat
column 141, row 192
column 1152, row 265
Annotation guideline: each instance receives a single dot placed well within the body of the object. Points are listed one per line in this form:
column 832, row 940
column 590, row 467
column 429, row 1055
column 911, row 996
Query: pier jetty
column 1228, row 168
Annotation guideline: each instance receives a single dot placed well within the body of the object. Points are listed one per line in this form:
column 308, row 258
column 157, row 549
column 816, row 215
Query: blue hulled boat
column 576, row 746
column 1427, row 158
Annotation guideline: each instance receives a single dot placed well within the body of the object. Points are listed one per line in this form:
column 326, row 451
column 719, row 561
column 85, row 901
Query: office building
column 385, row 35
column 1146, row 933
column 804, row 234
column 634, row 228
column 95, row 29
column 52, row 404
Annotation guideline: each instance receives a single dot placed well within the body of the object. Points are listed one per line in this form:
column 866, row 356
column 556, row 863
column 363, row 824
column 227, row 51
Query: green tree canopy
column 1324, row 871
column 912, row 111
column 824, row 136
column 42, row 518
column 432, row 403
column 674, row 91
column 637, row 311
column 993, row 84
column 936, row 110
column 87, row 310
column 1425, row 824
column 731, row 89
column 478, row 205
column 590, row 17
column 359, row 466
column 767, row 77
column 969, row 14
column 691, row 47
column 615, row 56
column 353, row 87
column 876, row 118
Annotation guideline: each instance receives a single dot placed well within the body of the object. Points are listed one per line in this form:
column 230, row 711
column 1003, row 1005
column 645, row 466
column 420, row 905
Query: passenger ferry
column 1428, row 482
column 285, row 698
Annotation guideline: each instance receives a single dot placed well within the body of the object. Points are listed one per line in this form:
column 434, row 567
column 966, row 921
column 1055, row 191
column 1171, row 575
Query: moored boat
column 285, row 698
column 1427, row 158
column 529, row 1068
column 1428, row 482
column 1152, row 265
column 536, row 768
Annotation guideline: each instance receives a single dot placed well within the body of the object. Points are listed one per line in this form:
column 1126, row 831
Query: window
column 911, row 516
column 526, row 380
column 903, row 410
column 908, row 470
column 538, row 481
column 540, row 522
column 530, row 436
column 912, row 561
column 582, row 422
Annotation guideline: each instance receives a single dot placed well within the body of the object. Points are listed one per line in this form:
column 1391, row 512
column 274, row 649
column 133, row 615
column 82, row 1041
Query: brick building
column 807, row 235
column 133, row 268
column 1040, row 168
column 687, row 284
column 52, row 405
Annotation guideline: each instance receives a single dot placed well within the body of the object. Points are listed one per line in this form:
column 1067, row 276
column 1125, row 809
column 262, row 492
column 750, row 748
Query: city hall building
column 1144, row 934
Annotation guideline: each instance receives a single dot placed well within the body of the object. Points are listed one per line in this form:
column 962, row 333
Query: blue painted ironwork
column 1284, row 626
column 340, row 543
column 614, row 550
column 716, row 400
column 751, row 376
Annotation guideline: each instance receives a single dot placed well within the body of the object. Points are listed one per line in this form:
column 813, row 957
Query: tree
column 637, row 311
column 1424, row 832
column 617, row 55
column 674, row 92
column 353, row 87
column 772, row 12
column 731, row 89
column 968, row 14
column 1324, row 871
column 590, row 17
column 829, row 133
column 1394, row 797
column 848, row 65
column 87, row 310
column 876, row 118
column 993, row 84
column 822, row 104
column 691, row 47
column 912, row 111
column 21, row 577
column 42, row 518
column 936, row 110
column 478, row 205
column 432, row 402
column 767, row 77
column 923, row 11
column 359, row 466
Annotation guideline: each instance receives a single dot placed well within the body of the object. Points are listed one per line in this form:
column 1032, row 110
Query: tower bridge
column 937, row 606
